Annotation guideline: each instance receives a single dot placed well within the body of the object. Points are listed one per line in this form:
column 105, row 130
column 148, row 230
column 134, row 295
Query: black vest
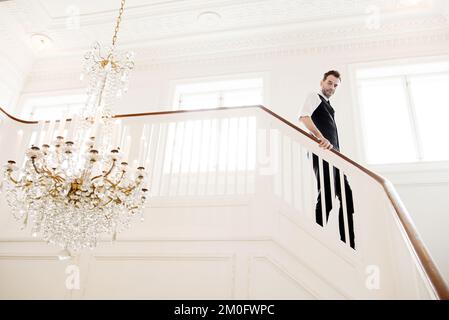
column 323, row 118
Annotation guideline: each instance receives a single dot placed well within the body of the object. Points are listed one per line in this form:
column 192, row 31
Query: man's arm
column 308, row 122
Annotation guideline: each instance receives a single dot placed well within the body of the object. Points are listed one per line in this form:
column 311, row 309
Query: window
column 52, row 107
column 235, row 136
column 404, row 112
column 219, row 93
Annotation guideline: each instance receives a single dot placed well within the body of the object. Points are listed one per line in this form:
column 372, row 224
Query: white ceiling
column 183, row 30
column 75, row 24
column 158, row 29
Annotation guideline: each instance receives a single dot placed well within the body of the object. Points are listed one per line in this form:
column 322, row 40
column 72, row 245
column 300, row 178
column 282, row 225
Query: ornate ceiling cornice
column 425, row 43
column 292, row 39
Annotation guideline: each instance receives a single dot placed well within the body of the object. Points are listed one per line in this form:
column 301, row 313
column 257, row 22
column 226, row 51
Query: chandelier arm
column 106, row 174
column 127, row 191
column 93, row 193
column 121, row 178
column 16, row 182
column 33, row 161
column 86, row 172
column 88, row 195
column 110, row 200
column 74, row 187
column 102, row 205
column 115, row 185
column 53, row 193
column 96, row 177
column 111, row 183
column 44, row 170
column 50, row 174
column 110, row 170
column 54, row 177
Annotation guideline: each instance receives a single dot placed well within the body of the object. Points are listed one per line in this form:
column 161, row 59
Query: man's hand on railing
column 324, row 143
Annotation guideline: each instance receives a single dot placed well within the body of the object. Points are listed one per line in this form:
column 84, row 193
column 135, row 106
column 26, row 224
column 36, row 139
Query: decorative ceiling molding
column 416, row 43
column 74, row 27
column 309, row 39
column 236, row 13
column 427, row 44
column 162, row 32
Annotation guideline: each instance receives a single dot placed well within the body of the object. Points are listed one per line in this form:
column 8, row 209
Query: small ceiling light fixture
column 209, row 18
column 40, row 42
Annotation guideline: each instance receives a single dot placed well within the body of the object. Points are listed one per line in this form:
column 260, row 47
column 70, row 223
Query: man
column 317, row 115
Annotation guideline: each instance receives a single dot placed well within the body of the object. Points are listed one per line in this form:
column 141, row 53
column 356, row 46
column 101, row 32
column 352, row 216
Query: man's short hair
column 334, row 73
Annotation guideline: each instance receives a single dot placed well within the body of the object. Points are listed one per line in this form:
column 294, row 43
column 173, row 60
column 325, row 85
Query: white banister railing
column 251, row 152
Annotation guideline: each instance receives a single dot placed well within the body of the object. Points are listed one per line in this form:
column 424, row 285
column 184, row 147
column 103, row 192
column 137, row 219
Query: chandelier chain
column 119, row 19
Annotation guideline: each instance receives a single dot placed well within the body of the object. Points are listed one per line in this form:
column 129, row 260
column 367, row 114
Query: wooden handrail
column 439, row 285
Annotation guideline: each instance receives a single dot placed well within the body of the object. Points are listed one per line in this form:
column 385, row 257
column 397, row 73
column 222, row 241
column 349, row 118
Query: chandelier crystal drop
column 109, row 79
column 74, row 189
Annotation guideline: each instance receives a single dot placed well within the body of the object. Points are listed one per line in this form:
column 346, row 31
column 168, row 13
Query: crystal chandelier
column 75, row 190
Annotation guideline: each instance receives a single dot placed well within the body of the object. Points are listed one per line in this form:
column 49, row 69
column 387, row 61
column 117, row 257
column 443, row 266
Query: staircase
column 232, row 214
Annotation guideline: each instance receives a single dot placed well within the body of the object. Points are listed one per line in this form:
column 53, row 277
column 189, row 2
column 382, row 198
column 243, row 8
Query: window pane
column 199, row 101
column 386, row 123
column 218, row 144
column 242, row 97
column 53, row 107
column 55, row 112
column 432, row 113
column 216, row 93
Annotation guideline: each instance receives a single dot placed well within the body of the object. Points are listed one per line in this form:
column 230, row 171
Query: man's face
column 329, row 85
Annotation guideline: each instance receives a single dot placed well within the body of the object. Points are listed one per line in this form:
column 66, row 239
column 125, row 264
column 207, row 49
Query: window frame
column 433, row 166
column 264, row 76
column 238, row 76
column 23, row 105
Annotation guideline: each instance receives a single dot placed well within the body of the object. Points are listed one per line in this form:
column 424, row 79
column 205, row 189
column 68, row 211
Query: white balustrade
column 247, row 153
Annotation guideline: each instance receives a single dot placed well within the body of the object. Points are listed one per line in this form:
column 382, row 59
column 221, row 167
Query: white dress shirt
column 312, row 102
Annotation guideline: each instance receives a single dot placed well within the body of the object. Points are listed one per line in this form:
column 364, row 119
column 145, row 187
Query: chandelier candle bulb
column 40, row 131
column 71, row 125
column 17, row 145
column 50, row 131
column 127, row 148
column 123, row 138
column 33, row 140
column 141, row 150
column 95, row 126
column 44, row 132
column 62, row 124
column 116, row 133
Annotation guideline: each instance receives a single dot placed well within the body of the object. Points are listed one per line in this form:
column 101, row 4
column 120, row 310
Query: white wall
column 292, row 74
